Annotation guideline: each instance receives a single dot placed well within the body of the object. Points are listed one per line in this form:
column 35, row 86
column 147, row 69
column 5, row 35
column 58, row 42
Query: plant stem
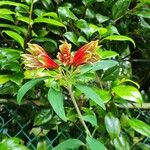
column 78, row 110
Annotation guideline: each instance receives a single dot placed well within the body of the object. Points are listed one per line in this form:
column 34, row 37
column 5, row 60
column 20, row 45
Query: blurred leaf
column 112, row 125
column 44, row 116
column 120, row 7
column 119, row 38
column 69, row 144
column 4, row 79
column 82, row 39
column 95, row 144
column 42, row 144
column 90, row 93
column 13, row 4
column 88, row 2
column 15, row 36
column 128, row 92
column 121, row 143
column 12, row 144
column 55, row 97
column 104, row 64
column 49, row 21
column 145, row 13
column 26, row 87
column 91, row 119
column 71, row 36
column 65, row 12
column 4, row 11
column 140, row 126
column 7, row 17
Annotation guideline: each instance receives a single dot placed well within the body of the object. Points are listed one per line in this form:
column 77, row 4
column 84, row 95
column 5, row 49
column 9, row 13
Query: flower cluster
column 38, row 58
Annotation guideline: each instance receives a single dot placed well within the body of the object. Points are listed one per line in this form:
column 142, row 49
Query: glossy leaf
column 128, row 92
column 55, row 98
column 140, row 126
column 104, row 64
column 65, row 12
column 112, row 125
column 120, row 7
column 15, row 36
column 95, row 144
column 119, row 38
column 69, row 144
column 71, row 36
column 90, row 93
column 26, row 87
column 49, row 21
column 108, row 54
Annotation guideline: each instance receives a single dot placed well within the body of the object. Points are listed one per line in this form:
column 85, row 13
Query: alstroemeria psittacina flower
column 38, row 58
column 86, row 54
column 65, row 55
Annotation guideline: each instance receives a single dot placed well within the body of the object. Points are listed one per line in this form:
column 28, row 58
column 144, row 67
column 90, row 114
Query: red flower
column 65, row 55
column 38, row 58
column 86, row 54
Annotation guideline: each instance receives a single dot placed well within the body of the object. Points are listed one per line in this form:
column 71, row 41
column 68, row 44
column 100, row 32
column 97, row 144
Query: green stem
column 78, row 110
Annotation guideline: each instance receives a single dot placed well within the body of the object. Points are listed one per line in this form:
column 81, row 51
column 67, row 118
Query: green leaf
column 121, row 143
column 4, row 79
column 91, row 119
column 95, row 144
column 71, row 36
column 100, row 18
column 12, row 144
column 7, row 17
column 128, row 92
column 88, row 2
column 13, row 4
column 15, row 36
column 4, row 11
column 25, row 19
column 13, row 27
column 55, row 97
column 65, row 12
column 145, row 13
column 49, row 21
column 119, row 38
column 108, row 54
column 90, row 93
column 112, row 125
column 69, row 144
column 42, row 144
column 120, row 7
column 44, row 116
column 140, row 126
column 104, row 64
column 26, row 87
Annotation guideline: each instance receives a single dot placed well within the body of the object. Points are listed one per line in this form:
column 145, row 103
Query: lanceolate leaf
column 112, row 125
column 49, row 21
column 95, row 144
column 55, row 98
column 69, row 144
column 13, row 4
column 140, row 126
column 128, row 92
column 119, row 38
column 15, row 36
column 90, row 93
column 26, row 87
